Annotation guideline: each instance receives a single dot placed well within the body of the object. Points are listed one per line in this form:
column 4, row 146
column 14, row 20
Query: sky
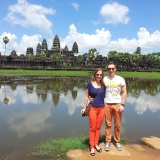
column 106, row 25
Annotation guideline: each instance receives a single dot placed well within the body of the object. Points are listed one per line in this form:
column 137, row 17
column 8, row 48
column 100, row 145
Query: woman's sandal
column 98, row 150
column 92, row 153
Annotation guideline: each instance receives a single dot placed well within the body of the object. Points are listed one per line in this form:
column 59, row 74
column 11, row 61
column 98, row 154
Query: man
column 115, row 98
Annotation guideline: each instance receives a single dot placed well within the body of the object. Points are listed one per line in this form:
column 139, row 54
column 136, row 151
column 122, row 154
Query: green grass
column 57, row 148
column 148, row 75
column 5, row 158
column 45, row 72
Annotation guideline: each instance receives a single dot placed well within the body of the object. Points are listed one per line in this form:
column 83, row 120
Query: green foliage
column 43, row 56
column 136, row 59
column 112, row 55
column 31, row 57
column 57, row 148
column 56, row 57
column 123, row 140
column 79, row 58
column 68, row 64
column 5, row 39
column 92, row 54
column 5, row 158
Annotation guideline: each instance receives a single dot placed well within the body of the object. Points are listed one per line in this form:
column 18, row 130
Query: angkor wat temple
column 68, row 56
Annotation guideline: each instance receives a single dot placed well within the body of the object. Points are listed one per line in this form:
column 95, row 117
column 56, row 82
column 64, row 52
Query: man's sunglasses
column 110, row 69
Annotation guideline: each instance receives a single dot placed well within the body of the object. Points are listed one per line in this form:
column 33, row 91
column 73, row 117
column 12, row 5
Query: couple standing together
column 108, row 96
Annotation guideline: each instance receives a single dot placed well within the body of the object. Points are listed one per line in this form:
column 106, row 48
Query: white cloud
column 86, row 41
column 11, row 45
column 115, row 13
column 26, row 15
column 147, row 39
column 26, row 41
column 101, row 40
column 29, row 41
column 75, row 5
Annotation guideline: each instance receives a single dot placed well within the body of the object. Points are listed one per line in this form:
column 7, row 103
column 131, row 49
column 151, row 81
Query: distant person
column 115, row 97
column 95, row 90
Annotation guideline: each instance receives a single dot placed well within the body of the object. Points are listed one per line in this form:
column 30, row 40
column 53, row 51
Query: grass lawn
column 148, row 75
column 53, row 147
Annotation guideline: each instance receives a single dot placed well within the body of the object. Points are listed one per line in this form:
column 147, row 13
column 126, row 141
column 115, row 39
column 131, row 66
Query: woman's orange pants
column 96, row 116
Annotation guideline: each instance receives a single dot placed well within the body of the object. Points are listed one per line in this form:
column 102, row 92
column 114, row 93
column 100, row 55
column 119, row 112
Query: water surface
column 33, row 109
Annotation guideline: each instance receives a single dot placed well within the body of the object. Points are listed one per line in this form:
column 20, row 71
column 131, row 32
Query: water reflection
column 25, row 122
column 37, row 108
column 145, row 102
column 144, row 94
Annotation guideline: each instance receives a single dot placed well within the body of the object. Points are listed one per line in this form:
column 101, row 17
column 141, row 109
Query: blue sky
column 105, row 25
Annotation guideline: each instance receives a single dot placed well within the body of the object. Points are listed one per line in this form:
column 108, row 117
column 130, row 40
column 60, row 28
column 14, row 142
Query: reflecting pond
column 33, row 109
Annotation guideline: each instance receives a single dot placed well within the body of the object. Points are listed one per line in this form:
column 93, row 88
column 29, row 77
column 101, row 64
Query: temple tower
column 66, row 48
column 75, row 48
column 56, row 42
column 44, row 45
column 29, row 51
column 38, row 49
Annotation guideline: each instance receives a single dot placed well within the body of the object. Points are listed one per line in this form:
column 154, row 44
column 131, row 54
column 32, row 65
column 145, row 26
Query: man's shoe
column 107, row 146
column 118, row 146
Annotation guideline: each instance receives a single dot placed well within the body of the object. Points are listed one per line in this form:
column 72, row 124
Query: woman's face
column 99, row 75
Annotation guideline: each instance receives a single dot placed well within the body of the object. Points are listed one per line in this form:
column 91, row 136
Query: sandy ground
column 148, row 154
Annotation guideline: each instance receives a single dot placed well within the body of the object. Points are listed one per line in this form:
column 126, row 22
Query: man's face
column 111, row 69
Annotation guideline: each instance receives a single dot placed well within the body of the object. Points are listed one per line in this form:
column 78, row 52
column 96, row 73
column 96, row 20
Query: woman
column 96, row 90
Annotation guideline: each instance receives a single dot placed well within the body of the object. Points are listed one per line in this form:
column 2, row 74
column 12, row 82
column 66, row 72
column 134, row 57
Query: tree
column 92, row 54
column 136, row 58
column 56, row 57
column 124, row 59
column 68, row 65
column 43, row 56
column 112, row 55
column 5, row 40
column 6, row 100
column 79, row 59
column 152, row 60
column 31, row 58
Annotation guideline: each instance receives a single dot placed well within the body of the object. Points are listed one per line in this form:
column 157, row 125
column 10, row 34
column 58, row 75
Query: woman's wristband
column 123, row 105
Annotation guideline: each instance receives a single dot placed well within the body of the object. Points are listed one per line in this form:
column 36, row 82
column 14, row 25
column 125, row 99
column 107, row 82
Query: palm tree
column 43, row 56
column 136, row 58
column 152, row 60
column 5, row 40
column 6, row 100
column 92, row 54
column 112, row 55
column 124, row 59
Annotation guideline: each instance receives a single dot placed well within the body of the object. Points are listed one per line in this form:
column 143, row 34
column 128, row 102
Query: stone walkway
column 129, row 152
